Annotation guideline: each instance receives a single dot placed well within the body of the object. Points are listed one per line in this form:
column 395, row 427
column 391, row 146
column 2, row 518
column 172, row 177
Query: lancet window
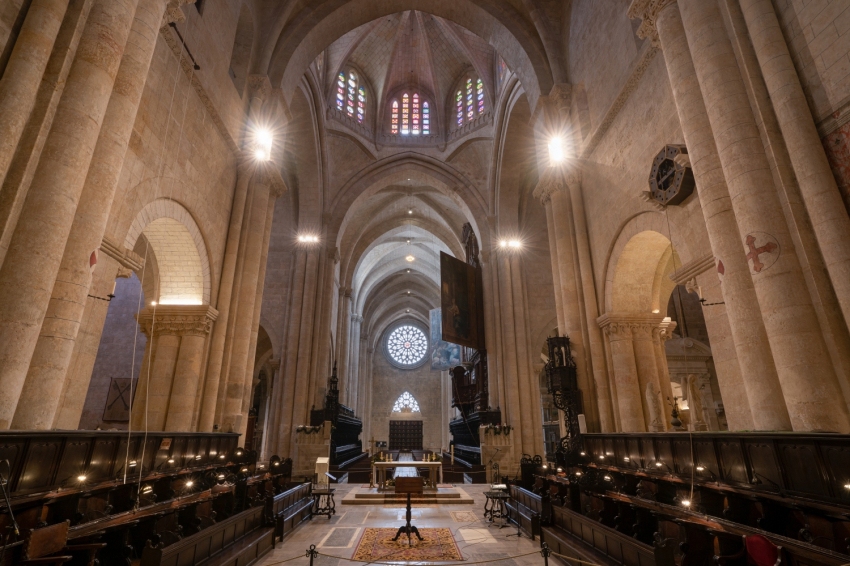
column 351, row 95
column 411, row 116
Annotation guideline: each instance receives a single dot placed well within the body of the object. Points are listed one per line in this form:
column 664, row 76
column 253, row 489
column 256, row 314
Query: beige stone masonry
column 26, row 278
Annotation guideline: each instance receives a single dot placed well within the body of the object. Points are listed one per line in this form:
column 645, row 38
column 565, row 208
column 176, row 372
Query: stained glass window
column 405, row 114
column 479, row 94
column 407, row 345
column 340, row 92
column 395, row 117
column 460, row 108
column 470, row 108
column 426, row 118
column 414, row 115
column 406, row 404
column 351, row 96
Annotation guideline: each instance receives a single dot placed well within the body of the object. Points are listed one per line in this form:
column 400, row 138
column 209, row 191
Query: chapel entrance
column 405, row 435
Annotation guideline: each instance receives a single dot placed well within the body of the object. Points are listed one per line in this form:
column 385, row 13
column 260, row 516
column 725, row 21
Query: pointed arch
column 406, row 404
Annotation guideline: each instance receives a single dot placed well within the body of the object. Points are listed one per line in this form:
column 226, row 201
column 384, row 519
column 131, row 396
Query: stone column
column 647, row 370
column 516, row 405
column 35, row 251
column 758, row 373
column 546, row 201
column 629, row 404
column 232, row 416
column 344, row 314
column 354, row 361
column 52, row 355
column 811, row 168
column 24, row 72
column 218, row 346
column 661, row 334
column 194, row 327
column 556, row 184
column 797, row 343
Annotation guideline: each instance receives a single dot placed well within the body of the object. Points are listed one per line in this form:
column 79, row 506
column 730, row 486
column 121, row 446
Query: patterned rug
column 437, row 545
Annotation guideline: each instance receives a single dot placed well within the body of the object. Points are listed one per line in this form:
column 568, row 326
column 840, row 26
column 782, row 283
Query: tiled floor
column 338, row 537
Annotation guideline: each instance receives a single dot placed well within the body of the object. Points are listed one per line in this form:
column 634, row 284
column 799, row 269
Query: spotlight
column 263, row 140
column 578, row 474
column 626, row 459
column 545, row 467
column 277, row 464
column 408, row 241
column 601, row 457
column 132, row 463
column 655, row 311
column 308, row 239
column 503, row 243
column 244, row 470
column 190, row 483
column 560, row 470
column 221, row 476
column 153, row 303
column 606, row 477
column 557, row 152
column 582, row 453
column 408, row 271
column 171, row 460
column 658, row 464
column 686, row 502
column 410, row 211
column 700, row 468
column 238, row 452
column 408, row 310
column 81, row 478
column 847, row 486
column 147, row 489
column 221, row 457
column 410, row 258
column 514, row 244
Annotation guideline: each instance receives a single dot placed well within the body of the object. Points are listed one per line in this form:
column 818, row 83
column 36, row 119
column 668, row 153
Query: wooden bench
column 526, row 509
column 289, row 509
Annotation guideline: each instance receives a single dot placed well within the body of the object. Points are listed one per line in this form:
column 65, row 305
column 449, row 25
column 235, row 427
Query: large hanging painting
column 459, row 297
column 444, row 355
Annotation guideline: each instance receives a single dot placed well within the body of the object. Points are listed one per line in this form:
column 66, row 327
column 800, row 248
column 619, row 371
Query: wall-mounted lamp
column 308, row 239
column 557, row 151
column 263, row 140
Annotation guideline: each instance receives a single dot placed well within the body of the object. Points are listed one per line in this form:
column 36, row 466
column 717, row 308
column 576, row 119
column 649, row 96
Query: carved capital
column 259, row 86
column 173, row 14
column 557, row 178
column 345, row 292
column 268, row 174
column 648, row 10
column 333, row 254
column 358, row 318
column 177, row 320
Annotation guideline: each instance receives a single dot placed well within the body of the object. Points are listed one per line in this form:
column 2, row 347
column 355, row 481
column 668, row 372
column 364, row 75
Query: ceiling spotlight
column 408, row 310
column 557, row 152
column 408, row 241
column 308, row 239
column 410, row 211
column 513, row 243
column 686, row 502
column 263, row 140
column 408, row 271
column 410, row 258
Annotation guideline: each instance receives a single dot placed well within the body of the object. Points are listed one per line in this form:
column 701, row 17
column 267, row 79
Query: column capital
column 637, row 323
column 259, row 86
column 358, row 318
column 557, row 178
column 268, row 173
column 177, row 320
column 173, row 14
column 345, row 292
column 648, row 10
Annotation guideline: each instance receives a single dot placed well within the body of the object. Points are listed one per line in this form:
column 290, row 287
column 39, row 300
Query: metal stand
column 407, row 527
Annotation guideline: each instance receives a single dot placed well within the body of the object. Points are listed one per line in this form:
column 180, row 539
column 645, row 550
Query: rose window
column 407, row 345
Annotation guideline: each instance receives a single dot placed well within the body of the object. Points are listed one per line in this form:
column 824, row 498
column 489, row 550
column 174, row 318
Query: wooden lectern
column 409, row 485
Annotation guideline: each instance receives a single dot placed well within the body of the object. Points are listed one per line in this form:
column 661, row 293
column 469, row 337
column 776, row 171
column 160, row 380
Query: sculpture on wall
column 695, row 404
column 653, row 405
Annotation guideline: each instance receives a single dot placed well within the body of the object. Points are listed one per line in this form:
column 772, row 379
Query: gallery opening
column 510, row 282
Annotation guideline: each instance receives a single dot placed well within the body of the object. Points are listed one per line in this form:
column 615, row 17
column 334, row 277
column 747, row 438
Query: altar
column 435, row 471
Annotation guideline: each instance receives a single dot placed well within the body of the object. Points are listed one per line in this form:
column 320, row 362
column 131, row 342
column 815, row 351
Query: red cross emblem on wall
column 761, row 256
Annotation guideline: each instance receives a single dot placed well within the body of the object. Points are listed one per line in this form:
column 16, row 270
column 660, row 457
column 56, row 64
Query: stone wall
column 389, row 382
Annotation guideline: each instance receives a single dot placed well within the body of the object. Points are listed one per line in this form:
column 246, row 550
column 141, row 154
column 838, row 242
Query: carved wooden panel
column 102, row 459
column 765, row 472
column 40, row 464
column 802, row 467
column 837, row 459
column 732, row 465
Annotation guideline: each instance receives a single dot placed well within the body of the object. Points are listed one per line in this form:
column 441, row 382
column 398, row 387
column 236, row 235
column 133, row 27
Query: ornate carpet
column 377, row 544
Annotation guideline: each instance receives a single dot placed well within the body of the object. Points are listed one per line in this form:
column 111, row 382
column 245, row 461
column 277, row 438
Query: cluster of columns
column 68, row 102
column 559, row 190
column 782, row 318
column 641, row 379
column 168, row 393
column 54, row 215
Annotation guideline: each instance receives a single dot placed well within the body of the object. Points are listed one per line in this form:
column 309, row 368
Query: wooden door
column 405, row 435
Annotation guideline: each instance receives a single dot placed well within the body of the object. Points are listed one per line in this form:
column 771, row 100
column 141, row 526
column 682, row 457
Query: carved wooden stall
column 346, row 446
column 670, row 498
column 155, row 498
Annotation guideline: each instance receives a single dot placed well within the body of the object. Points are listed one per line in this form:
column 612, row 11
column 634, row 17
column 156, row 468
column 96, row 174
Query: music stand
column 408, row 485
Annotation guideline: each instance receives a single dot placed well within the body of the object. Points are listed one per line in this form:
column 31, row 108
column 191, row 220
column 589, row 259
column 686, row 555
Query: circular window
column 407, row 345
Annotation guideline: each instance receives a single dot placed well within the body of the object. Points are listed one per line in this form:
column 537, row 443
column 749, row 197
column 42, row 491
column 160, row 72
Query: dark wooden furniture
column 323, row 502
column 526, row 509
column 405, row 435
column 346, row 446
column 289, row 509
column 408, row 485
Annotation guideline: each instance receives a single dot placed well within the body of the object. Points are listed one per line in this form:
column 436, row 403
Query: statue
column 653, row 405
column 695, row 404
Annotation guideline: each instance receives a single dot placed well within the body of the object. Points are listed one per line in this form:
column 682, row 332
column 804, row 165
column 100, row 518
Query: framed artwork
column 444, row 355
column 459, row 299
column 118, row 400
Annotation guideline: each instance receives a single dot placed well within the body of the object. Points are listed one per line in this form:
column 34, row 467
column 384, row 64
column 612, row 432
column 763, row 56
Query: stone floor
column 339, row 536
